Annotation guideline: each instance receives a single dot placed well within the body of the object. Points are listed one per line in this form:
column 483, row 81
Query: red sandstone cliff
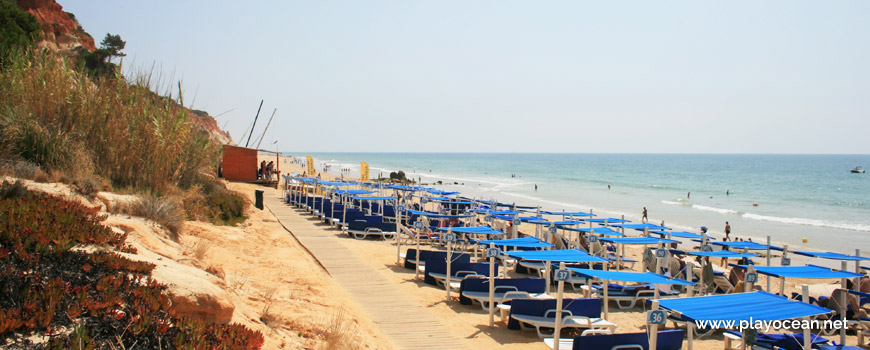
column 60, row 31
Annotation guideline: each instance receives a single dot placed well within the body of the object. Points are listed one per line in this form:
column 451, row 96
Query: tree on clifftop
column 99, row 61
column 113, row 45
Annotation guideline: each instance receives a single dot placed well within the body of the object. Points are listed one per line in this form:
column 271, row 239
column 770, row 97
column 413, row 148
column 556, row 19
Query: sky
column 511, row 76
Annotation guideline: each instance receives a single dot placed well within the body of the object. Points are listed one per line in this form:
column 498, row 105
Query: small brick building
column 239, row 164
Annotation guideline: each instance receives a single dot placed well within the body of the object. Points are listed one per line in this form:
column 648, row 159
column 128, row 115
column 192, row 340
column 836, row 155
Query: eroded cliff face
column 60, row 31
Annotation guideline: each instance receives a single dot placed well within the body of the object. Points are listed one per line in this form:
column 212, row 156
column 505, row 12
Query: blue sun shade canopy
column 625, row 276
column 505, row 212
column 567, row 213
column 606, row 231
column 809, row 271
column 565, row 255
column 436, row 215
column 506, row 205
column 333, row 183
column 481, row 230
column 525, row 242
column 737, row 307
column 833, row 256
column 638, row 240
column 641, row 227
column 606, row 220
column 679, row 234
column 723, row 254
column 436, row 198
column 373, row 198
column 568, row 223
column 745, row 245
column 442, row 193
column 355, row 192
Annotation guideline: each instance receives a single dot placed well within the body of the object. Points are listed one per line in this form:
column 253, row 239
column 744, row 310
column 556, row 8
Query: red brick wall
column 240, row 164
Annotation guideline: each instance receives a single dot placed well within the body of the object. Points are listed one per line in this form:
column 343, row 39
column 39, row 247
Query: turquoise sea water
column 797, row 196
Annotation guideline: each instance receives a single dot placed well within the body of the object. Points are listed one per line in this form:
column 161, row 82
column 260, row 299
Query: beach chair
column 671, row 339
column 436, row 272
column 411, row 255
column 770, row 341
column 506, row 289
column 540, row 314
column 626, row 297
column 360, row 229
column 722, row 284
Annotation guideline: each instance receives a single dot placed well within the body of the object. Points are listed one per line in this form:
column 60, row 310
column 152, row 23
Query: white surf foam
column 808, row 222
column 715, row 210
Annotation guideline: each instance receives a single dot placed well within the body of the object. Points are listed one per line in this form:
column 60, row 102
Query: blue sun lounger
column 541, row 313
column 436, row 272
column 667, row 340
column 411, row 256
column 477, row 289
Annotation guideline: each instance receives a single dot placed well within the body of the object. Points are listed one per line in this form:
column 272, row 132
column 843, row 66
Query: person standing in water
column 536, row 187
column 727, row 231
column 688, row 195
column 644, row 219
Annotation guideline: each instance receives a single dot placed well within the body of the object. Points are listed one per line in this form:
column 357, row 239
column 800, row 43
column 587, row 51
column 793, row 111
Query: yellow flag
column 311, row 171
column 364, row 171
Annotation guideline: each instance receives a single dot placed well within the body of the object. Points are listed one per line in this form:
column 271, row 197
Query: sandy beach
column 470, row 323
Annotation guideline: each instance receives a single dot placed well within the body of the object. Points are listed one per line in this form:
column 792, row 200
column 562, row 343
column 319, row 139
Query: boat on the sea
column 858, row 170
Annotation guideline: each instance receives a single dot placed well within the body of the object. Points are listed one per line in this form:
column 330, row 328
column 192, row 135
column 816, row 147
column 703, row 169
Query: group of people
column 266, row 171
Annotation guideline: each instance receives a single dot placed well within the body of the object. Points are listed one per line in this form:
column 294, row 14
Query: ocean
column 788, row 197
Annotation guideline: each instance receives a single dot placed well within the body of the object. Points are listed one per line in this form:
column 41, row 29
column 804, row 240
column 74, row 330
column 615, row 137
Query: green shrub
column 18, row 29
column 107, row 300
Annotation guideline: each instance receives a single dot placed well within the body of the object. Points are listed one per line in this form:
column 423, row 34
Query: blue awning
column 809, row 271
column 679, row 234
column 568, row 223
column 625, row 276
column 723, row 254
column 833, row 256
column 638, row 240
column 504, row 212
column 596, row 230
column 515, row 206
column 333, row 183
column 745, row 245
column 606, row 220
column 565, row 255
column 355, row 192
column 441, row 193
column 436, row 198
column 641, row 227
column 525, row 242
column 567, row 213
column 373, row 198
column 737, row 307
column 436, row 215
column 481, row 230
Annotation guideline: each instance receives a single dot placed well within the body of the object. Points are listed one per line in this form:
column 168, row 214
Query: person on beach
column 727, row 192
column 688, row 195
column 608, row 186
column 262, row 169
column 727, row 231
column 536, row 187
column 644, row 218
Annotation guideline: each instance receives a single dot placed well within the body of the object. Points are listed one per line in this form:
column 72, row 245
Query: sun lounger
column 793, row 341
column 360, row 229
column 436, row 272
column 627, row 296
column 666, row 340
column 541, row 313
column 411, row 256
column 506, row 289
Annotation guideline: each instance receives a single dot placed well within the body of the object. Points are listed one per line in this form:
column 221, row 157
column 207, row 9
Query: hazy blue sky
column 514, row 76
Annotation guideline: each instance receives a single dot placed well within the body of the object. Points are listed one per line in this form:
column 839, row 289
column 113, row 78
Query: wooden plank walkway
column 406, row 324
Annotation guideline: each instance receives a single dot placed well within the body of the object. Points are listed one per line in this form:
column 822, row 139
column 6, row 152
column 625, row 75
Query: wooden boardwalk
column 406, row 324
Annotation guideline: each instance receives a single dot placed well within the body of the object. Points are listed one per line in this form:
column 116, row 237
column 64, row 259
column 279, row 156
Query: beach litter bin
column 258, row 199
